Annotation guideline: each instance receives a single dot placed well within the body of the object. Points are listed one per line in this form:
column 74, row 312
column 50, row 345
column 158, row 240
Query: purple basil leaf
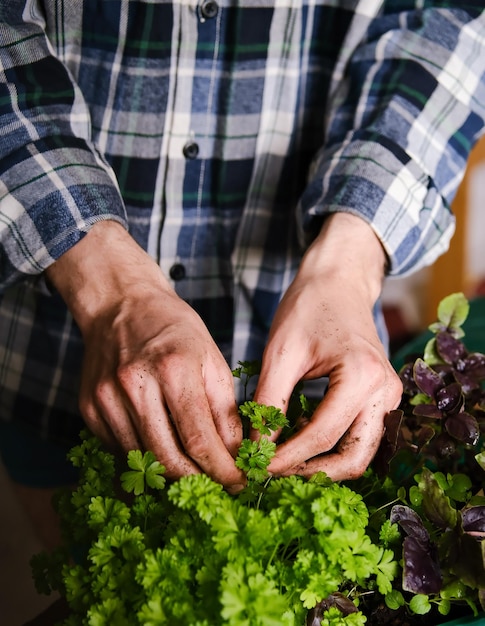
column 474, row 519
column 449, row 348
column 314, row 616
column 450, row 398
column 345, row 606
column 421, row 571
column 465, row 560
column 445, row 445
column 475, row 362
column 426, row 378
column 410, row 522
column 383, row 457
column 444, row 370
column 426, row 433
column 467, row 382
column 463, row 427
column 392, row 422
column 427, row 410
column 343, row 603
column 407, row 378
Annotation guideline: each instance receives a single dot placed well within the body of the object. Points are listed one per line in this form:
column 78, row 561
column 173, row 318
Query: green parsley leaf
column 145, row 469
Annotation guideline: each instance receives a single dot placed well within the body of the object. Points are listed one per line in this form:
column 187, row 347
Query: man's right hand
column 153, row 378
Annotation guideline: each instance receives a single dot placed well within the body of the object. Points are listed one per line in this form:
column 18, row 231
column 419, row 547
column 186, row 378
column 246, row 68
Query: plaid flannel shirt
column 220, row 133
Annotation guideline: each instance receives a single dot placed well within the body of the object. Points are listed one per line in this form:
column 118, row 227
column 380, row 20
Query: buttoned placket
column 182, row 142
column 178, row 146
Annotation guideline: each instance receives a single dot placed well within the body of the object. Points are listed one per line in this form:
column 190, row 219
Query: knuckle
column 379, row 375
column 322, row 442
column 196, row 447
column 173, row 368
column 102, row 391
column 127, row 375
column 376, row 370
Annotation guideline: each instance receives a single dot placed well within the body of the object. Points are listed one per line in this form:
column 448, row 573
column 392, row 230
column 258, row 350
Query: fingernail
column 235, row 489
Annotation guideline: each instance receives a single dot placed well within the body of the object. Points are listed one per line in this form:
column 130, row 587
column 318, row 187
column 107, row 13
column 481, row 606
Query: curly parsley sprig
column 187, row 553
column 255, row 456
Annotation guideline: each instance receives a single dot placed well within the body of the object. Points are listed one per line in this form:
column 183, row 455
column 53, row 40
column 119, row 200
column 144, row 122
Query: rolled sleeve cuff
column 376, row 180
column 48, row 202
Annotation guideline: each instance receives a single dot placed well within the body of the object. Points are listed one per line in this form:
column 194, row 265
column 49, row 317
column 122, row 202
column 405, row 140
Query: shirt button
column 209, row 9
column 190, row 150
column 177, row 271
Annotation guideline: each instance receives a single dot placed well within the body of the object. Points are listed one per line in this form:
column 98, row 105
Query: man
column 194, row 183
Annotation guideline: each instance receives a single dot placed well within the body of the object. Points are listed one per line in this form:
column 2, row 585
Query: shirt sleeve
column 408, row 107
column 54, row 185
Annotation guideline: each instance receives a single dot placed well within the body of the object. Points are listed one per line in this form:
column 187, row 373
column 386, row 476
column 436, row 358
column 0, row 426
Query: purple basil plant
column 433, row 445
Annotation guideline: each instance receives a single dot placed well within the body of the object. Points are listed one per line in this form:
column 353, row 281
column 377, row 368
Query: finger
column 156, row 430
column 192, row 416
column 112, row 407
column 92, row 408
column 329, row 422
column 220, row 393
column 353, row 455
column 203, row 443
column 160, row 436
column 371, row 397
column 98, row 427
